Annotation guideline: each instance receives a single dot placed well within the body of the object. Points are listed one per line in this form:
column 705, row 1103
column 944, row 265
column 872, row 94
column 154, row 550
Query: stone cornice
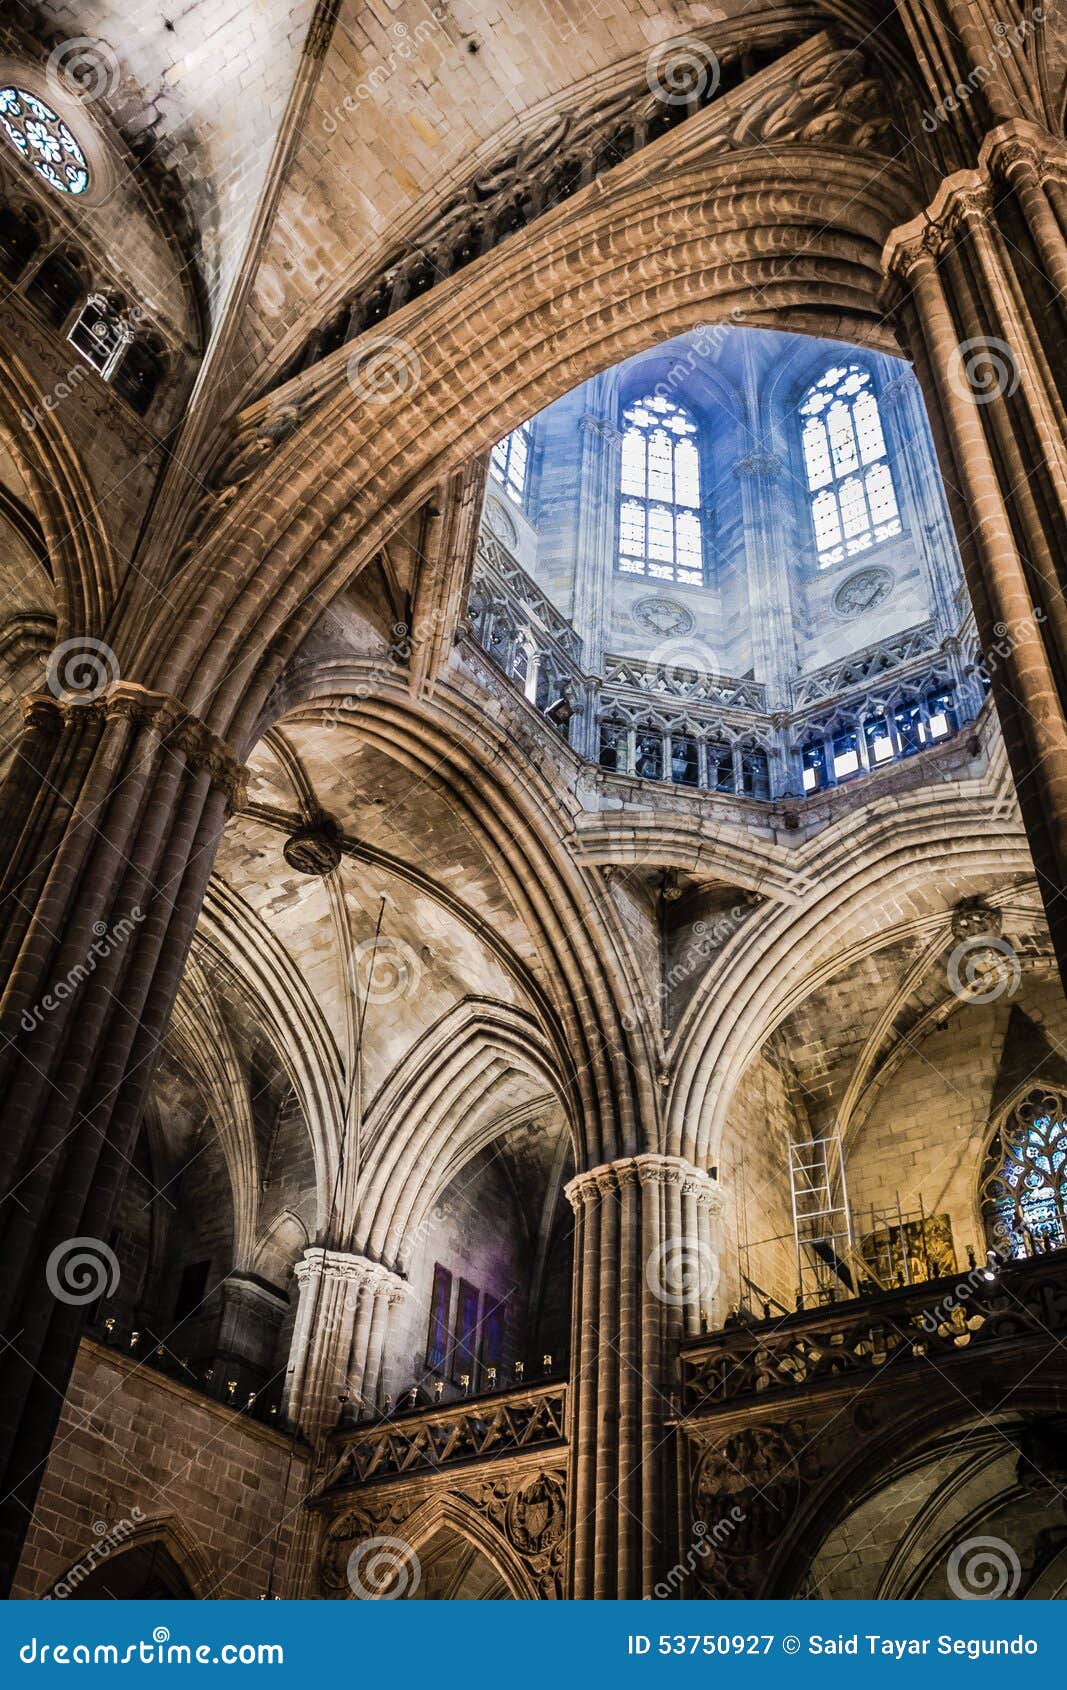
column 645, row 1170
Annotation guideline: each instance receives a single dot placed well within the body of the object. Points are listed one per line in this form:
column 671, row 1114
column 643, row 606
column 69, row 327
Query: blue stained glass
column 509, row 460
column 43, row 140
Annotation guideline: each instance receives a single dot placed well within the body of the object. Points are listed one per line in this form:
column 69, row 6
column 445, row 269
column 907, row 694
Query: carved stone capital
column 962, row 199
column 1020, row 145
column 599, row 427
column 345, row 1267
column 635, row 1171
column 177, row 729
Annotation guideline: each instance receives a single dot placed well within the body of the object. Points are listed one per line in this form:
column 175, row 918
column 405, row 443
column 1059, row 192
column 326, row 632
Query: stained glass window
column 1024, row 1183
column 510, row 461
column 660, row 532
column 853, row 501
column 44, row 141
column 439, row 1338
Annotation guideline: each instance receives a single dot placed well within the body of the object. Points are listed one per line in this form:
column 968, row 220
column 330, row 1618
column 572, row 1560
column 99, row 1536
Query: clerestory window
column 660, row 532
column 850, row 483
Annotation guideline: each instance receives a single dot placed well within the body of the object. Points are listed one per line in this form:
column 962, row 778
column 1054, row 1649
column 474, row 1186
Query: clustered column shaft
column 646, row 1269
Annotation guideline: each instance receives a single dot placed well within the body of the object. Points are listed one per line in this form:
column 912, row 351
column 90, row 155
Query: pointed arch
column 452, row 1513
column 441, row 1106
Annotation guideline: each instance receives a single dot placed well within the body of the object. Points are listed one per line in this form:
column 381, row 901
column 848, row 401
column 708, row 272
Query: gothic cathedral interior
column 534, row 818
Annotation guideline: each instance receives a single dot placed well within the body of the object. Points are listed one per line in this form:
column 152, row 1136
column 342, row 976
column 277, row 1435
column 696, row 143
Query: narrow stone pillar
column 987, row 331
column 338, row 1336
column 594, row 562
column 925, row 509
column 645, row 1267
column 774, row 645
column 113, row 810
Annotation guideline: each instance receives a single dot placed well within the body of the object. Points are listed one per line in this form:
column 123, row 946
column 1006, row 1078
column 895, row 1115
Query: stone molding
column 343, row 1265
column 177, row 728
column 968, row 195
column 636, row 1171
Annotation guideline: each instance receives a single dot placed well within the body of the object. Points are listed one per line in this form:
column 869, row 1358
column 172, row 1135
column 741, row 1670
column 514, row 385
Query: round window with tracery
column 44, row 141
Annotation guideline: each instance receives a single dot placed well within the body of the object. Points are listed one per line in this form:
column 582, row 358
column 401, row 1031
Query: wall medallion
column 663, row 617
column 500, row 521
column 862, row 591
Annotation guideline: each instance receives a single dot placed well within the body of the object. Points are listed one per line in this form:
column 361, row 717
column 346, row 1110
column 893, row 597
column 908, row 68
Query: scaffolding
column 822, row 1222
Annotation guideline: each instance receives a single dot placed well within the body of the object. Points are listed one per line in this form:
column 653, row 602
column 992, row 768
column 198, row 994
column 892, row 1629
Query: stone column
column 645, row 1268
column 594, row 560
column 113, row 808
column 774, row 646
column 987, row 328
column 911, row 451
column 338, row 1337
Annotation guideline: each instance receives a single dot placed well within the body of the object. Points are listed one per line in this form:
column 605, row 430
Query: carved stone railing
column 508, row 1423
column 493, row 559
column 669, row 682
column 880, row 1334
column 713, row 733
column 571, row 149
column 787, row 1425
column 848, row 674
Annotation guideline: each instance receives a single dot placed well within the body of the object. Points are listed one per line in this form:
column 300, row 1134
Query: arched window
column 853, row 500
column 1024, row 1181
column 510, row 460
column 659, row 509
